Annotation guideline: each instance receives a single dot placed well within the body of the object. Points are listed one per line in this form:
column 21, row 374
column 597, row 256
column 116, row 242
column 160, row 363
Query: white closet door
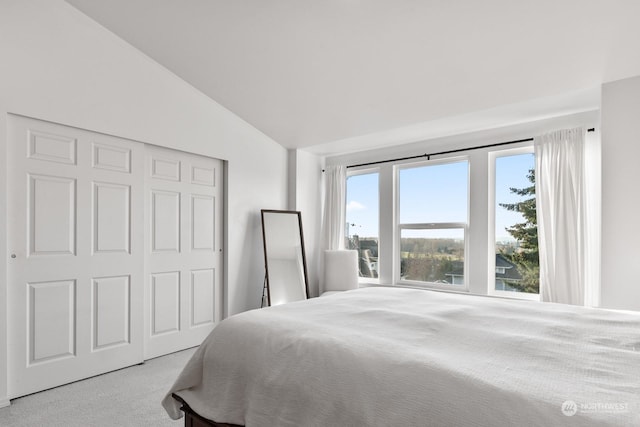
column 183, row 217
column 76, row 265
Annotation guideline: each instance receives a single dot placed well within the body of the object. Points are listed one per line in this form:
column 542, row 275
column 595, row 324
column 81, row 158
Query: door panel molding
column 75, row 288
column 184, row 236
column 118, row 252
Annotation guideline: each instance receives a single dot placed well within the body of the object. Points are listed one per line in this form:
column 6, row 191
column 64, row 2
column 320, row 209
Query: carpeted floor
column 128, row 397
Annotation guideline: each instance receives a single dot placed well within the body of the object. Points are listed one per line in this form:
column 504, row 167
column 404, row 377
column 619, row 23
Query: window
column 362, row 225
column 445, row 223
column 433, row 216
column 516, row 234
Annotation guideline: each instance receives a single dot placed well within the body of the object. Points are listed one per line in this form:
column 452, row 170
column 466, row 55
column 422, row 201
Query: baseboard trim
column 4, row 402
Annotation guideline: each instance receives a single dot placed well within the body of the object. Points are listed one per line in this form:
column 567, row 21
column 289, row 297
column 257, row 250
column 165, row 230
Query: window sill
column 365, row 282
column 515, row 295
column 436, row 286
column 496, row 294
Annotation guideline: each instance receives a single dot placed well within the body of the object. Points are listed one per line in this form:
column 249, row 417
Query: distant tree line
column 427, row 268
column 420, row 245
column 430, row 260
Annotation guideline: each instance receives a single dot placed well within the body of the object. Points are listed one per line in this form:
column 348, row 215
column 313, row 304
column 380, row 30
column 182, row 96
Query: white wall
column 305, row 195
column 620, row 194
column 60, row 66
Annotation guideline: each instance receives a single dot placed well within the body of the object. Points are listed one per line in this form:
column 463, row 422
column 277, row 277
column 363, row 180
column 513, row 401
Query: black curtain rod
column 459, row 150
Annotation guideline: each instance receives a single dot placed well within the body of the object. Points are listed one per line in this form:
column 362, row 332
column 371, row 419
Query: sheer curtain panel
column 593, row 218
column 568, row 233
column 333, row 218
column 335, row 190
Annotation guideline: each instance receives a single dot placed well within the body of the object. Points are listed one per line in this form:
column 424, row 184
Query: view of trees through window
column 432, row 256
column 433, row 216
column 432, row 222
column 517, row 261
column 362, row 221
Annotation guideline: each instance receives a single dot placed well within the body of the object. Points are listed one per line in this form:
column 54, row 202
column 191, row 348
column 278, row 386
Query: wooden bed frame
column 193, row 419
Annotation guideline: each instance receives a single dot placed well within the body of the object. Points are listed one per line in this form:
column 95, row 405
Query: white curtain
column 568, row 221
column 333, row 218
column 593, row 218
column 335, row 190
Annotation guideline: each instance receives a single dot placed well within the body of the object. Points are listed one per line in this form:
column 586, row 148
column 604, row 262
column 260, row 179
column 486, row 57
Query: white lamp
column 340, row 270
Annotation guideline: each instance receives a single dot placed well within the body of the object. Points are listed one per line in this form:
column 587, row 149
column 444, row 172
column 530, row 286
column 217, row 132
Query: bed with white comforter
column 404, row 357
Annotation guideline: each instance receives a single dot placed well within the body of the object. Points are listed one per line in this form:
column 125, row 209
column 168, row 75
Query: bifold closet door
column 183, row 219
column 76, row 278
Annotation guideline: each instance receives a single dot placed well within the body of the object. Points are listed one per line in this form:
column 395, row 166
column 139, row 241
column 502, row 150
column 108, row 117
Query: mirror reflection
column 285, row 261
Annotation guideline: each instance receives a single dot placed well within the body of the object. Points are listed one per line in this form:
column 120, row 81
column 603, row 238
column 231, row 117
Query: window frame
column 398, row 226
column 491, row 282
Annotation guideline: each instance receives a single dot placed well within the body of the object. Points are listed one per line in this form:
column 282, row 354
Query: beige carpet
column 128, row 397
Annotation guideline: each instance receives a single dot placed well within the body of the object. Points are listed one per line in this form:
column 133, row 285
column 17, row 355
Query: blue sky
column 511, row 171
column 362, row 205
column 436, row 194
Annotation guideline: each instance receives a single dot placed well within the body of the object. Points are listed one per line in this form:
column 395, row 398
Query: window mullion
column 387, row 219
column 433, row 225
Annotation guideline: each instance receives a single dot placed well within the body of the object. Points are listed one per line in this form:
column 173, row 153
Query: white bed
column 404, row 357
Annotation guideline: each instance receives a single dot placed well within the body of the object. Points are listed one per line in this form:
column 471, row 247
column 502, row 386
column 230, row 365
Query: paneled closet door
column 76, row 266
column 183, row 218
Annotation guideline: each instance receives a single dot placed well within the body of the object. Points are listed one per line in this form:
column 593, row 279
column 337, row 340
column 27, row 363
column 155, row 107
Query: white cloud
column 355, row 206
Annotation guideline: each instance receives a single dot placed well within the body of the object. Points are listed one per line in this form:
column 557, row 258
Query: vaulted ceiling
column 332, row 74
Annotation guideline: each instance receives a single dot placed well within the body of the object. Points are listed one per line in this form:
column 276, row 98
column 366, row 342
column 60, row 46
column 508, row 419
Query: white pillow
column 340, row 270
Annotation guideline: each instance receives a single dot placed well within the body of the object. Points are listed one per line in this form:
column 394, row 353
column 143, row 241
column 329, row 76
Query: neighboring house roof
column 511, row 270
column 501, row 261
column 370, row 244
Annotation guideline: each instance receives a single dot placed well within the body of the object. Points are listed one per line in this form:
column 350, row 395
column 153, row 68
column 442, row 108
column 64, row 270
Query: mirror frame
column 304, row 255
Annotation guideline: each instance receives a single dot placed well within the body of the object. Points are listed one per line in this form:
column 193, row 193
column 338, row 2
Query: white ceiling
column 341, row 75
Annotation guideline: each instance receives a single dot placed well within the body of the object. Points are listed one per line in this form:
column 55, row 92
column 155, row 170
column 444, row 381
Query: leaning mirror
column 284, row 257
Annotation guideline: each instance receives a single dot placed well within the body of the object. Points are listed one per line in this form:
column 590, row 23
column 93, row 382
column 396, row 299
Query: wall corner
column 4, row 371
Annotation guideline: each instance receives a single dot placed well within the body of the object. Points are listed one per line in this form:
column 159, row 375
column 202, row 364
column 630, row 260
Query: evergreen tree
column 526, row 258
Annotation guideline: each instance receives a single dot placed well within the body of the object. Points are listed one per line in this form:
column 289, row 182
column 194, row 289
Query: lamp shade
column 340, row 270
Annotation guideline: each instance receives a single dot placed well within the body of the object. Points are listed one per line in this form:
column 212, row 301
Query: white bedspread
column 402, row 357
